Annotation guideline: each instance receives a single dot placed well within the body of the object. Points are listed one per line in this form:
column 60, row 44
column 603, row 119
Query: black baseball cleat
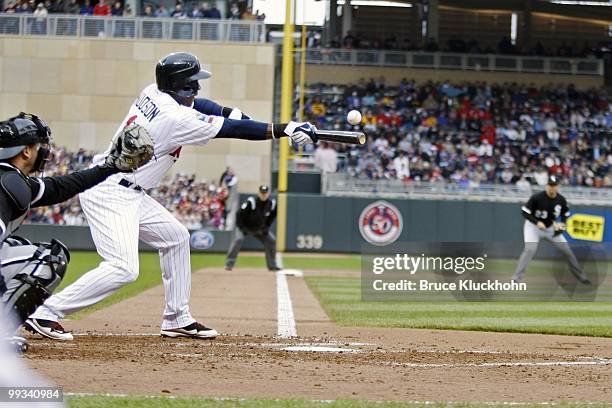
column 195, row 330
column 48, row 328
column 275, row 269
column 228, row 268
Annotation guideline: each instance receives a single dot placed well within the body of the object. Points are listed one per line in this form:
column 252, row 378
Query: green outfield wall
column 332, row 224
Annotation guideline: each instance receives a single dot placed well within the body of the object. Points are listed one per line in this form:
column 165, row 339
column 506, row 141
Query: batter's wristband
column 225, row 111
column 278, row 130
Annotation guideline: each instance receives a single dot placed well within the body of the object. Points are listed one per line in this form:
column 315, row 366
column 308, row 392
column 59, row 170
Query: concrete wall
column 351, row 74
column 84, row 87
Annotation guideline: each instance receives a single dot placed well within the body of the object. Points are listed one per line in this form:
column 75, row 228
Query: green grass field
column 163, row 402
column 150, row 272
column 341, row 299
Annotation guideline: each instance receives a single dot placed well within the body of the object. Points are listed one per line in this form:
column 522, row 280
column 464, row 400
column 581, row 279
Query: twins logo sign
column 202, row 239
column 380, row 223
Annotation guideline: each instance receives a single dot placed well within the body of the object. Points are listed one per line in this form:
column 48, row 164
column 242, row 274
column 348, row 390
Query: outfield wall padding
column 331, row 224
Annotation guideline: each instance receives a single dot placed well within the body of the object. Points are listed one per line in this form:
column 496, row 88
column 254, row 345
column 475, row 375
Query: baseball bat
column 341, row 136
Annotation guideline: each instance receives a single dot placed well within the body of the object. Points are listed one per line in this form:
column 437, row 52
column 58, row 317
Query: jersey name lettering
column 147, row 107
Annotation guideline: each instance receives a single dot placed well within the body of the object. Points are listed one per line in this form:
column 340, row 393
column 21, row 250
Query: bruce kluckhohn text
column 459, row 265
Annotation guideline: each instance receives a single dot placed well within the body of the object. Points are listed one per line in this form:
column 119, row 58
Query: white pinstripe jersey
column 171, row 126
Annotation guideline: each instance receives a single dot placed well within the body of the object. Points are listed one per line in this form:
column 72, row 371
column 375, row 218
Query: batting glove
column 301, row 133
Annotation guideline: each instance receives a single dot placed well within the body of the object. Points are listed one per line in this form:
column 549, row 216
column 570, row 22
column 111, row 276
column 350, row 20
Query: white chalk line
column 111, row 334
column 319, row 349
column 331, row 401
column 219, row 341
column 284, row 312
column 598, row 362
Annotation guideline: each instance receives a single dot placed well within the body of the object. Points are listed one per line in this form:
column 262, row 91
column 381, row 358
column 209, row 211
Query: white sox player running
column 119, row 211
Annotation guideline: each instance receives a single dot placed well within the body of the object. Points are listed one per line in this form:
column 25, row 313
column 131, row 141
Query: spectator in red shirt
column 102, row 9
column 384, row 118
column 395, row 120
column 488, row 133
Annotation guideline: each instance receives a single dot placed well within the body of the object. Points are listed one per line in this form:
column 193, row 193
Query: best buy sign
column 586, row 227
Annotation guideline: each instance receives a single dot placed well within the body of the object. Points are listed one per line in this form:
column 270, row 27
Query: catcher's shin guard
column 30, row 272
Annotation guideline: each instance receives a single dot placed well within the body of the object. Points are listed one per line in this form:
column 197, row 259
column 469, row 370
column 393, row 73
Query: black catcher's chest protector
column 16, row 200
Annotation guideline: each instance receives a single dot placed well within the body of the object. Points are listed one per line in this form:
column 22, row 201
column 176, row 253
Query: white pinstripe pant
column 118, row 218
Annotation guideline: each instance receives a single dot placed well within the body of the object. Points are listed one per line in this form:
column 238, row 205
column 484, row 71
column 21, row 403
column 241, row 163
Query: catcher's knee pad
column 30, row 272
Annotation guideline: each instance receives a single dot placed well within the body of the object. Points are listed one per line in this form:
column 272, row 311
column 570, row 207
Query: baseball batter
column 120, row 213
column 540, row 213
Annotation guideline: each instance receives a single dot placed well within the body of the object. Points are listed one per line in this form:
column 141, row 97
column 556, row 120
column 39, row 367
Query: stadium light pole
column 285, row 116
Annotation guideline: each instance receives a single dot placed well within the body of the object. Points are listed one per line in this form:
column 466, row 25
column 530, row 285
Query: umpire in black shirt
column 255, row 217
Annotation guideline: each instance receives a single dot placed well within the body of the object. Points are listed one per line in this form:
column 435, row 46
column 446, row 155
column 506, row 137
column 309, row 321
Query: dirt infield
column 117, row 351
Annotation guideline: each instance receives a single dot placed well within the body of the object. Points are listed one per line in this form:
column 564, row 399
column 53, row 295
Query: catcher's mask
column 22, row 130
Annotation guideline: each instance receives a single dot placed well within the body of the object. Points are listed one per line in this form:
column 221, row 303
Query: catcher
column 30, row 272
column 540, row 213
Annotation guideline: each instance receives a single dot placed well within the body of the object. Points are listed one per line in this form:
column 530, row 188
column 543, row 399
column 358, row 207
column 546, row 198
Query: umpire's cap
column 19, row 131
column 178, row 74
column 553, row 180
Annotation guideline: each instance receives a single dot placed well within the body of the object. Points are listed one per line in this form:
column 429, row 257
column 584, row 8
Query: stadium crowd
column 463, row 133
column 468, row 133
column 195, row 203
column 206, row 9
column 40, row 10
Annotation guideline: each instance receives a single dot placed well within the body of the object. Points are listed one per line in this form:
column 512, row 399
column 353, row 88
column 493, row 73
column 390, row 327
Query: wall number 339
column 307, row 241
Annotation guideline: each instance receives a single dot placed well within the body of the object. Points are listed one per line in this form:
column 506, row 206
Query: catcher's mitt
column 133, row 148
column 559, row 227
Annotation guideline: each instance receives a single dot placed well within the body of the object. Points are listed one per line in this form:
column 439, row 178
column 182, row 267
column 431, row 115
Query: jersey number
column 541, row 214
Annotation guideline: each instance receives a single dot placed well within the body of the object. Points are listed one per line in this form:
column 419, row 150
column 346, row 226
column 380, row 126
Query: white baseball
column 354, row 117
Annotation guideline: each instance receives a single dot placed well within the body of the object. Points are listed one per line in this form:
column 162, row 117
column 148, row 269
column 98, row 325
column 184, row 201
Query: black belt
column 123, row 182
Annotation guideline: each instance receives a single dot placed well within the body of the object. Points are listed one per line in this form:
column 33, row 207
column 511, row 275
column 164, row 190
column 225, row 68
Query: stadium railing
column 346, row 185
column 441, row 60
column 69, row 25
